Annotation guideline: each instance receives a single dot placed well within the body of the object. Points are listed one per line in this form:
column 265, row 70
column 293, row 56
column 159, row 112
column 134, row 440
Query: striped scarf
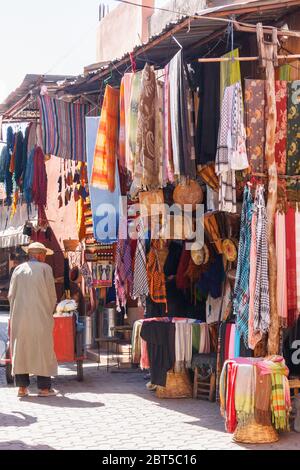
column 123, row 274
column 241, row 289
column 261, row 298
column 140, row 280
column 104, row 165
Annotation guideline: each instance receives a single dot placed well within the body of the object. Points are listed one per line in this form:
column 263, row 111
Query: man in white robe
column 32, row 298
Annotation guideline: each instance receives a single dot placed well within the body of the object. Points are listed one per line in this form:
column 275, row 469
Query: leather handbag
column 189, row 192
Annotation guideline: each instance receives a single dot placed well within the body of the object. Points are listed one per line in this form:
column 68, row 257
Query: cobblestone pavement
column 112, row 411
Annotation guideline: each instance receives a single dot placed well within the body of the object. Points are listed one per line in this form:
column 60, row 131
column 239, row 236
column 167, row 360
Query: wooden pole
column 268, row 57
column 247, row 59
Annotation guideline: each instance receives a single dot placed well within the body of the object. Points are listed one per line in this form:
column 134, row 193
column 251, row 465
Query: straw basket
column 178, row 386
column 255, row 433
column 71, row 245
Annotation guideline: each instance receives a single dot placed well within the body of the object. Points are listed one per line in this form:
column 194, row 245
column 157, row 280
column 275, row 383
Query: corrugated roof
column 191, row 33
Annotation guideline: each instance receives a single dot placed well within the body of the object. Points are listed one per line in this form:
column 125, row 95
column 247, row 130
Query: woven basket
column 255, row 434
column 178, row 386
column 71, row 245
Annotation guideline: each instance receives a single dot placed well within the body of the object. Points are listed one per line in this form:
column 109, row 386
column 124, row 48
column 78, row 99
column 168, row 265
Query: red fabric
column 281, row 126
column 231, row 421
column 40, row 181
column 227, row 341
column 64, row 338
column 291, row 265
column 182, row 281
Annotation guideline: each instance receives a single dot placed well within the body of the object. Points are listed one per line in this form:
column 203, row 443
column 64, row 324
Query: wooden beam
column 289, row 57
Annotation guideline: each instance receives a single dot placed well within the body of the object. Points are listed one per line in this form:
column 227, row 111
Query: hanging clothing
column 183, row 345
column 3, row 162
column 122, row 128
column 261, row 298
column 227, row 181
column 146, row 165
column 208, row 79
column 104, row 165
column 253, row 336
column 182, row 140
column 159, row 150
column 127, row 80
column 40, row 179
column 123, row 273
column 140, row 280
column 136, row 85
column 245, row 393
column 255, row 123
column 262, row 405
column 160, row 338
column 156, row 276
column 297, row 227
column 293, row 141
column 168, row 160
column 291, row 265
column 280, row 237
column 241, row 289
column 281, row 138
column 230, row 72
column 227, row 389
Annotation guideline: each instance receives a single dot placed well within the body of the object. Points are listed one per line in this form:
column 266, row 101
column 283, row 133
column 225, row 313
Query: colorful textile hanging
column 244, row 393
column 156, row 276
column 281, row 139
column 63, row 126
column 230, row 72
column 140, row 280
column 123, row 273
column 297, row 223
column 255, row 123
column 104, row 165
column 241, row 289
column 146, row 165
column 293, row 140
column 261, row 298
column 133, row 118
column 28, row 179
column 159, row 151
column 291, row 265
column 105, row 204
column 253, row 337
column 169, row 164
column 40, row 179
column 127, row 79
column 122, row 128
column 280, row 236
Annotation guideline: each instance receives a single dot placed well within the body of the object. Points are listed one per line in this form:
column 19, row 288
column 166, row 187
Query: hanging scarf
column 156, row 276
column 297, row 223
column 123, row 273
column 293, row 141
column 245, row 393
column 133, row 118
column 3, row 163
column 159, row 132
column 227, row 388
column 146, row 166
column 261, row 300
column 28, row 179
column 253, row 337
column 169, row 164
column 140, row 280
column 127, row 92
column 104, row 165
column 230, row 71
column 238, row 154
column 291, row 265
column 241, row 290
column 281, row 139
column 227, row 182
column 255, row 123
column 40, row 181
column 19, row 158
column 280, row 236
column 122, row 128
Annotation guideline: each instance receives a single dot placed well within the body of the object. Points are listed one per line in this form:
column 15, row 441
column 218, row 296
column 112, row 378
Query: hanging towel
column 230, row 72
column 104, row 165
column 133, row 118
column 245, row 393
column 183, row 345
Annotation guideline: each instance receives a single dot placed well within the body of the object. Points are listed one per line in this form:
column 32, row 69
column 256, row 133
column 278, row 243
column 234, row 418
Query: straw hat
column 37, row 248
column 199, row 255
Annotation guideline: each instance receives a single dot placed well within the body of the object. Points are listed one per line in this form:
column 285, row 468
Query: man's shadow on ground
column 13, row 420
column 61, row 401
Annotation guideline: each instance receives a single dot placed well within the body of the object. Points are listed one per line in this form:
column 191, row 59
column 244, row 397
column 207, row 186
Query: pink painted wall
column 122, row 29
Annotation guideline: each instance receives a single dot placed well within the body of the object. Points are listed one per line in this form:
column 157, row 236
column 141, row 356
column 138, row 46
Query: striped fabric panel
column 63, row 126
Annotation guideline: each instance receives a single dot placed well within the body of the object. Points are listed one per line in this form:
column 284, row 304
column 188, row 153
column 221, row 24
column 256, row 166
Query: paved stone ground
column 111, row 411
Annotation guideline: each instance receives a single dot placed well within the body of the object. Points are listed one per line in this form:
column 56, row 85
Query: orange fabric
column 156, row 276
column 104, row 166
